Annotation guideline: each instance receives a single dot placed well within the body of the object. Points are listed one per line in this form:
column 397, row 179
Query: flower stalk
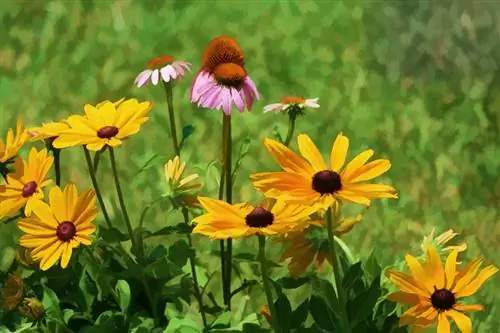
column 229, row 198
column 266, row 283
column 170, row 104
column 291, row 128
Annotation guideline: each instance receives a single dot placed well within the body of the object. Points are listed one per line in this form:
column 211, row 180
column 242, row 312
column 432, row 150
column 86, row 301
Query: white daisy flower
column 292, row 101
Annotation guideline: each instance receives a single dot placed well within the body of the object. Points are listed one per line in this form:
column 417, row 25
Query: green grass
column 377, row 67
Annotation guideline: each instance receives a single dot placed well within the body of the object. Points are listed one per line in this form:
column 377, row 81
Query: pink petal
column 213, row 100
column 143, row 77
column 226, row 101
column 238, row 101
column 193, row 93
column 155, row 77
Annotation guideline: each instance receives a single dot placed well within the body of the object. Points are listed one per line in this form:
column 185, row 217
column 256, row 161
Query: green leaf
column 179, row 252
column 353, row 274
column 56, row 326
column 300, row 314
column 50, row 303
column 277, row 134
column 284, row 312
column 7, row 257
column 187, row 131
column 372, row 267
column 140, row 324
column 322, row 314
column 67, row 315
column 181, row 228
column 184, row 325
column 223, row 320
column 108, row 321
column 324, row 289
column 88, row 291
column 293, row 283
column 112, row 235
column 124, row 295
column 363, row 305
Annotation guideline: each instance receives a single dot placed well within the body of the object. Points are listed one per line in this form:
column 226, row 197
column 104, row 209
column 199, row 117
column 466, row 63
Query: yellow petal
column 477, row 282
column 420, row 275
column 221, row 208
column 339, row 152
column 467, row 274
column 356, row 163
column 66, row 255
column 370, row 170
column 354, row 197
column 468, row 307
column 406, row 283
column 287, row 159
column 311, row 153
column 451, row 269
column 51, row 255
column 45, row 215
column 443, row 324
column 404, row 298
column 462, row 321
column 95, row 116
column 435, row 267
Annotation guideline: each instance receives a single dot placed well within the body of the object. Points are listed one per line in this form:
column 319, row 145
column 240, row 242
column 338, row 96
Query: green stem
column 266, row 283
column 336, row 272
column 291, row 130
column 221, row 196
column 197, row 291
column 97, row 159
column 229, row 198
column 171, row 115
column 121, row 200
column 57, row 165
column 96, row 187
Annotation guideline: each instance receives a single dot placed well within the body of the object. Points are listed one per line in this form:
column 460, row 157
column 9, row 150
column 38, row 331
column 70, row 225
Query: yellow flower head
column 441, row 241
column 433, row 291
column 177, row 183
column 32, row 308
column 14, row 142
column 309, row 180
column 224, row 220
column 311, row 245
column 25, row 258
column 48, row 130
column 12, row 292
column 106, row 124
column 56, row 229
column 24, row 187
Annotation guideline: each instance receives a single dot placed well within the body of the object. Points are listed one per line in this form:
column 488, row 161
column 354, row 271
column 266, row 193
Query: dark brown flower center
column 222, row 50
column 293, row 100
column 107, row 132
column 66, row 231
column 259, row 218
column 159, row 62
column 442, row 299
column 230, row 75
column 29, row 189
column 326, row 182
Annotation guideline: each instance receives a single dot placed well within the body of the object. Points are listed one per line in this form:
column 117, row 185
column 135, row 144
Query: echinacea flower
column 162, row 68
column 24, row 187
column 12, row 293
column 32, row 308
column 13, row 142
column 177, row 183
column 223, row 80
column 433, row 291
column 309, row 180
column 106, row 124
column 55, row 229
column 292, row 103
column 224, row 220
column 311, row 245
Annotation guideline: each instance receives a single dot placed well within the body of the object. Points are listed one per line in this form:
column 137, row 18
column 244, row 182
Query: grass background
column 415, row 81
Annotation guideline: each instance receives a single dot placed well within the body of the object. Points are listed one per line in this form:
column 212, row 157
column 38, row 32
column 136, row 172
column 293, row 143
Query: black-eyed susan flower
column 309, row 180
column 106, row 124
column 433, row 291
column 13, row 142
column 441, row 242
column 24, row 187
column 163, row 68
column 224, row 220
column 32, row 308
column 292, row 104
column 177, row 183
column 12, row 293
column 55, row 230
column 223, row 79
column 310, row 246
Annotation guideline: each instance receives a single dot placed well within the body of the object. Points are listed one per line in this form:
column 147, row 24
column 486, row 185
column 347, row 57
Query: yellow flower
column 48, row 130
column 433, row 291
column 311, row 245
column 12, row 292
column 311, row 181
column 13, row 143
column 177, row 183
column 106, row 124
column 32, row 308
column 24, row 187
column 54, row 231
column 224, row 220
column 440, row 241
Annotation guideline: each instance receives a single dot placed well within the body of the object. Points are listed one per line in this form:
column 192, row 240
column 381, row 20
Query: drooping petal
column 462, row 321
column 472, row 287
column 443, row 325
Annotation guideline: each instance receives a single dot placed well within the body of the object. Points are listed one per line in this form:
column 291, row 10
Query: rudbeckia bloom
column 223, row 79
column 106, row 124
column 12, row 292
column 24, row 187
column 434, row 291
column 224, row 220
column 31, row 308
column 290, row 102
column 310, row 180
column 441, row 242
column 56, row 229
column 13, row 143
column 165, row 68
column 48, row 131
column 177, row 183
column 311, row 245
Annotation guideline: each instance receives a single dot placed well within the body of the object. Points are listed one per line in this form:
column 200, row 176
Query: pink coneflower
column 223, row 79
column 288, row 102
column 165, row 67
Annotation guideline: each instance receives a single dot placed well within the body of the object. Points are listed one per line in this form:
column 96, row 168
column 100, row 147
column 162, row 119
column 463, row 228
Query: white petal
column 273, row 107
column 143, row 77
column 155, row 77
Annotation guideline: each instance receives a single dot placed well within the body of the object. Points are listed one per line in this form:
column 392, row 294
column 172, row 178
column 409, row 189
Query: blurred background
column 417, row 81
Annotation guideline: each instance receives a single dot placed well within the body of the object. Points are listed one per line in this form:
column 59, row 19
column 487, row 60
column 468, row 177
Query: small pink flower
column 228, row 84
column 165, row 67
column 292, row 101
